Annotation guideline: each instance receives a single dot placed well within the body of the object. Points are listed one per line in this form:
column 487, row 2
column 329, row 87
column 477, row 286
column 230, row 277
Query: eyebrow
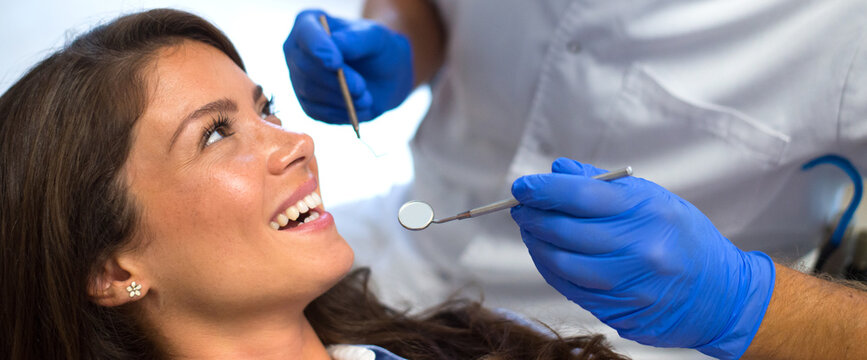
column 222, row 105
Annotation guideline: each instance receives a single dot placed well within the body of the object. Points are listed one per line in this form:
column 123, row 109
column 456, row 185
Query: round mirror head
column 415, row 215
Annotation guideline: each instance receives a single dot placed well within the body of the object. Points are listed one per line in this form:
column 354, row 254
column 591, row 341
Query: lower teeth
column 313, row 216
column 303, row 219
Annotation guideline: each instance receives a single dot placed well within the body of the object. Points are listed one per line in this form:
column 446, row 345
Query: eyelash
column 222, row 122
column 268, row 107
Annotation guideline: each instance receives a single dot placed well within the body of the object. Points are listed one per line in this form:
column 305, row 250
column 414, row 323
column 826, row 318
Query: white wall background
column 349, row 170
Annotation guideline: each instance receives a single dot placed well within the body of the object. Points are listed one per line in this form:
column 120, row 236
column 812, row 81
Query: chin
column 339, row 263
column 348, row 259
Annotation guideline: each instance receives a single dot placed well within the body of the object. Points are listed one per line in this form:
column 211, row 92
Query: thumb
column 576, row 195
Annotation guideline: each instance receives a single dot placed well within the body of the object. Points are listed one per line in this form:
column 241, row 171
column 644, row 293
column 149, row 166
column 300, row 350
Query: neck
column 286, row 335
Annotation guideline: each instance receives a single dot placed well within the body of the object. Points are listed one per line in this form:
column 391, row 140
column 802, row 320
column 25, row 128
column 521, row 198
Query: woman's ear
column 116, row 283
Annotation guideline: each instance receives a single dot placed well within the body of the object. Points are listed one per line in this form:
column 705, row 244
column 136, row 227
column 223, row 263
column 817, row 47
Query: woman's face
column 211, row 172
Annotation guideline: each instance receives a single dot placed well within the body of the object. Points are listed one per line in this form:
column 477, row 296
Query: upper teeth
column 304, row 205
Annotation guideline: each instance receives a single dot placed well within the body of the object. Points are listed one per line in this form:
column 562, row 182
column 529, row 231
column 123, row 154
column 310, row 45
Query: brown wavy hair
column 65, row 134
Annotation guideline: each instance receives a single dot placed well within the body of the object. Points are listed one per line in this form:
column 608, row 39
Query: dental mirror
column 418, row 215
column 415, row 215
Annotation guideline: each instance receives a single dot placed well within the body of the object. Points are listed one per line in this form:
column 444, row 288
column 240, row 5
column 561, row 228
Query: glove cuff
column 755, row 292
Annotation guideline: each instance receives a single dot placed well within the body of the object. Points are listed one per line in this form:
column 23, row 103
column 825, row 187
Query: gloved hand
column 377, row 63
column 642, row 260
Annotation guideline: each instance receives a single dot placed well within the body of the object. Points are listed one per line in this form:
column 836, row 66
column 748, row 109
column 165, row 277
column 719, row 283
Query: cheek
column 222, row 198
column 196, row 224
column 228, row 198
column 233, row 189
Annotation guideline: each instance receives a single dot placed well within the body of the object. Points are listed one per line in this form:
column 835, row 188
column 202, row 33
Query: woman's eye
column 215, row 136
column 267, row 108
column 217, row 130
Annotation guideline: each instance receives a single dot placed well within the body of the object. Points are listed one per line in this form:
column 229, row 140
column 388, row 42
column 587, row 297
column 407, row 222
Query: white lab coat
column 719, row 101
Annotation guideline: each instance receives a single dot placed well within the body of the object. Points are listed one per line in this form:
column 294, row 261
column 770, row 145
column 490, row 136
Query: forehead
column 191, row 71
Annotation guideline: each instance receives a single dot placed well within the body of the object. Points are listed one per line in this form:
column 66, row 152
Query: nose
column 292, row 150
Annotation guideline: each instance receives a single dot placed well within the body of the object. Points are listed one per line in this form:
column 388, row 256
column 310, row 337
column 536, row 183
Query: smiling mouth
column 304, row 211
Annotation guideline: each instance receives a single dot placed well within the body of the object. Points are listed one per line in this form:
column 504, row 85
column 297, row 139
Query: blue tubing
column 850, row 170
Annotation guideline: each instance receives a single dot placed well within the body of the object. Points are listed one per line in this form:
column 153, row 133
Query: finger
column 583, row 236
column 311, row 38
column 337, row 24
column 361, row 39
column 588, row 298
column 355, row 82
column 575, row 195
column 581, row 270
column 568, row 166
column 568, row 289
column 612, row 308
column 331, row 98
column 312, row 80
column 615, row 308
column 337, row 115
column 323, row 87
column 564, row 286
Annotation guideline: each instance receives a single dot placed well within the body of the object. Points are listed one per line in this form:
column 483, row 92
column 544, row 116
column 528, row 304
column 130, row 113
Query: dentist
column 712, row 100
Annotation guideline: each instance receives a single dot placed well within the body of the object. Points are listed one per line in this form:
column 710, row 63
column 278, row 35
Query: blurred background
column 350, row 170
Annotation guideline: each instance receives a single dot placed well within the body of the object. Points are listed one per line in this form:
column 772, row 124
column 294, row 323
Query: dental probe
column 341, row 78
column 418, row 215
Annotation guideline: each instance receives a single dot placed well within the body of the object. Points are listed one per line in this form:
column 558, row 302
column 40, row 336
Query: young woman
column 154, row 207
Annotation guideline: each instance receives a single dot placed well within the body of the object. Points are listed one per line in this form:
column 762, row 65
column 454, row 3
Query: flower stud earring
column 134, row 289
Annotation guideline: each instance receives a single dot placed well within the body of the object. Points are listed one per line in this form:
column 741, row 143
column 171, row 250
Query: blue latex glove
column 642, row 260
column 376, row 61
